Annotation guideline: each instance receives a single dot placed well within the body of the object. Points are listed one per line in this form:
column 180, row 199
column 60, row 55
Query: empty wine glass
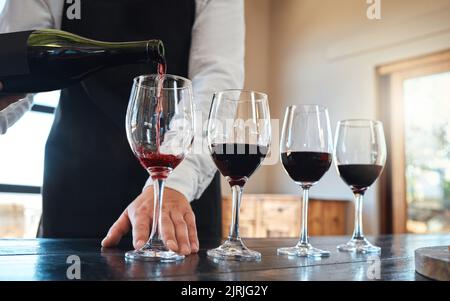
column 360, row 155
column 306, row 150
column 159, row 125
column 239, row 135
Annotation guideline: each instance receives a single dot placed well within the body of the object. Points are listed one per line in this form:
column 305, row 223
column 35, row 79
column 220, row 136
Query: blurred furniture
column 12, row 221
column 19, row 215
column 272, row 215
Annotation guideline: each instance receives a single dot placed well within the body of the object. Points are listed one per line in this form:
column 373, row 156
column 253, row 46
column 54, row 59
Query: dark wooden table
column 45, row 259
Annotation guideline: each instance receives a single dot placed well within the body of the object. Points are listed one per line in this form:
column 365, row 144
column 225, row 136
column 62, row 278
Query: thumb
column 117, row 230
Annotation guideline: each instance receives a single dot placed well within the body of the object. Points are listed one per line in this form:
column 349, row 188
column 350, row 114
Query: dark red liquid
column 161, row 69
column 359, row 176
column 237, row 162
column 159, row 165
column 306, row 167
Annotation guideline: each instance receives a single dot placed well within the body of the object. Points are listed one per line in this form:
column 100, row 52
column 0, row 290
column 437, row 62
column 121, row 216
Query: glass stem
column 304, row 230
column 234, row 228
column 358, row 232
column 155, row 235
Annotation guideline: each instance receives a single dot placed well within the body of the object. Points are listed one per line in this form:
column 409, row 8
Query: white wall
column 326, row 52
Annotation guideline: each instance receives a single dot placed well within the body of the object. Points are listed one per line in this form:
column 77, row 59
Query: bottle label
column 14, row 53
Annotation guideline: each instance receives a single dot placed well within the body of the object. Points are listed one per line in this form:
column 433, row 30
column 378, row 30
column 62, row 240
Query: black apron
column 91, row 174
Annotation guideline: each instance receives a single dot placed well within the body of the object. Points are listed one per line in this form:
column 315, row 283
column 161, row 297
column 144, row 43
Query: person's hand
column 178, row 229
column 7, row 99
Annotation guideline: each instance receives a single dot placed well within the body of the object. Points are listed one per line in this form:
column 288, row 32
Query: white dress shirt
column 216, row 63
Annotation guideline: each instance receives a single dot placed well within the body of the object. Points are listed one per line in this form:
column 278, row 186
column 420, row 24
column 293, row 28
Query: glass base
column 156, row 251
column 234, row 250
column 303, row 250
column 359, row 245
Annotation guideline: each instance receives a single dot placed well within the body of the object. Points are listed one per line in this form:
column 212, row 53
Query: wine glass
column 239, row 135
column 360, row 155
column 160, row 130
column 306, row 150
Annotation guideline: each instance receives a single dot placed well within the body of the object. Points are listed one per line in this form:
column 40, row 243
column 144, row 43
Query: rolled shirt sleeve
column 216, row 63
column 13, row 112
column 30, row 14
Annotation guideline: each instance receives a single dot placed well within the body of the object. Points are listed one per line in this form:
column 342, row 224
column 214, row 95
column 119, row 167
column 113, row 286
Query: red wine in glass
column 238, row 162
column 305, row 147
column 160, row 143
column 159, row 165
column 239, row 136
column 306, row 167
column 359, row 176
column 360, row 154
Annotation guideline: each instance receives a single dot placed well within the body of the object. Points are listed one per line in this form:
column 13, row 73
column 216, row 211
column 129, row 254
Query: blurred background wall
column 326, row 52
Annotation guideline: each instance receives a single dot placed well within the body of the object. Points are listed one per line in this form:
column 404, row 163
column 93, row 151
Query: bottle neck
column 139, row 52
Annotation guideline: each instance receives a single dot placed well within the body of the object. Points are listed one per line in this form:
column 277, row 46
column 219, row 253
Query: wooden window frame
column 390, row 77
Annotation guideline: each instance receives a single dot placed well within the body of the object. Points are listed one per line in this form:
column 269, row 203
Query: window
column 415, row 106
column 22, row 165
column 427, row 152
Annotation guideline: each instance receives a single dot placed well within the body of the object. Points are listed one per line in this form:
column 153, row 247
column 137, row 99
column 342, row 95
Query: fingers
column 189, row 217
column 181, row 232
column 178, row 229
column 140, row 219
column 168, row 232
column 117, row 230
